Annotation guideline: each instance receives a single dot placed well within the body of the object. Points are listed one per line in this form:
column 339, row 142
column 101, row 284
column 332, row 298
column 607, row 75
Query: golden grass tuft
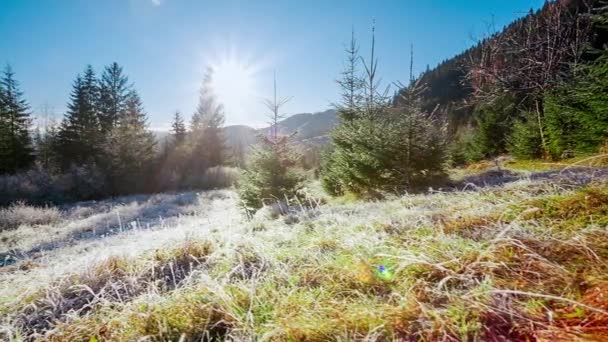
column 467, row 225
column 187, row 317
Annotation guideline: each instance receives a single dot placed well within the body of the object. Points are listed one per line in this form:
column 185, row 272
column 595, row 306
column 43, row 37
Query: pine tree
column 350, row 83
column 271, row 176
column 16, row 150
column 80, row 138
column 577, row 111
column 178, row 129
column 385, row 147
column 493, row 127
column 416, row 148
column 525, row 141
column 114, row 94
column 129, row 149
column 206, row 134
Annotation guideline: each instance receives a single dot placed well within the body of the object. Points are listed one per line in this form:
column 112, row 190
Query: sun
column 233, row 83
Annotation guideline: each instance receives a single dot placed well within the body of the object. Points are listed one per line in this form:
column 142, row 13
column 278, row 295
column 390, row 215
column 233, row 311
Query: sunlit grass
column 547, row 165
column 524, row 260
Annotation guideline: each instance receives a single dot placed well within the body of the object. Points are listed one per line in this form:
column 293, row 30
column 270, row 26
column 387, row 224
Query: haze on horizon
column 165, row 46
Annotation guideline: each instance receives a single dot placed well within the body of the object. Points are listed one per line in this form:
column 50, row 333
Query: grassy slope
column 522, row 260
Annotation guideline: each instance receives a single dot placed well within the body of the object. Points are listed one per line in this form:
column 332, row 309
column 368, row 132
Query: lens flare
column 234, row 84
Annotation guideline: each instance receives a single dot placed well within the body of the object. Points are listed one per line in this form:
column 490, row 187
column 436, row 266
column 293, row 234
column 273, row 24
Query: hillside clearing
column 524, row 259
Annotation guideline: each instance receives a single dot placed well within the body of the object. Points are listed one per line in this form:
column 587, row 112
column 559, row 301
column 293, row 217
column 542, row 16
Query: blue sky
column 165, row 45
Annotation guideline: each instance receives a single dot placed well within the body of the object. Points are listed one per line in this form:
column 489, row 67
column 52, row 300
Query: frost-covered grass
column 522, row 260
column 19, row 214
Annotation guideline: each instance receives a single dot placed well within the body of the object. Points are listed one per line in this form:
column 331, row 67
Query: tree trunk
column 539, row 115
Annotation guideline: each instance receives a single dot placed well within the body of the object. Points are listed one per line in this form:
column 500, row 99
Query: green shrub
column 493, row 124
column 576, row 113
column 525, row 141
column 460, row 149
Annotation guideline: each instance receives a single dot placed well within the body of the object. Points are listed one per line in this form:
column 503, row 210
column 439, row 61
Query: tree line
column 103, row 145
column 534, row 89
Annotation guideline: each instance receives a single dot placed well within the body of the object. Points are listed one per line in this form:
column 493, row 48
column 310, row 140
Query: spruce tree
column 212, row 140
column 16, row 149
column 383, row 146
column 129, row 149
column 238, row 154
column 577, row 111
column 45, row 140
column 493, row 124
column 271, row 176
column 206, row 135
column 80, row 138
column 461, row 148
column 338, row 165
column 416, row 148
column 525, row 141
column 562, row 120
column 178, row 129
column 351, row 83
column 114, row 94
column 355, row 164
column 173, row 156
column 207, row 103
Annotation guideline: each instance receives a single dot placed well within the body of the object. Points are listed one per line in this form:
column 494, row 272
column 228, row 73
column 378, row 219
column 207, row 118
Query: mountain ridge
column 310, row 129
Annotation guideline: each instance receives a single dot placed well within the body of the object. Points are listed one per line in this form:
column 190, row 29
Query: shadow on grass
column 575, row 177
column 110, row 217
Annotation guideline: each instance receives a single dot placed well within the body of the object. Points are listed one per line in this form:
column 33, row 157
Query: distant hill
column 311, row 128
column 240, row 135
column 310, row 125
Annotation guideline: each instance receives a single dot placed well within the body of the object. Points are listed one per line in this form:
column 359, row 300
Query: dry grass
column 20, row 214
column 526, row 260
column 115, row 280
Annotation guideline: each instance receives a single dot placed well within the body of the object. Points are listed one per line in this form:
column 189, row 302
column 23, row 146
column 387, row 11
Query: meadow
column 503, row 255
